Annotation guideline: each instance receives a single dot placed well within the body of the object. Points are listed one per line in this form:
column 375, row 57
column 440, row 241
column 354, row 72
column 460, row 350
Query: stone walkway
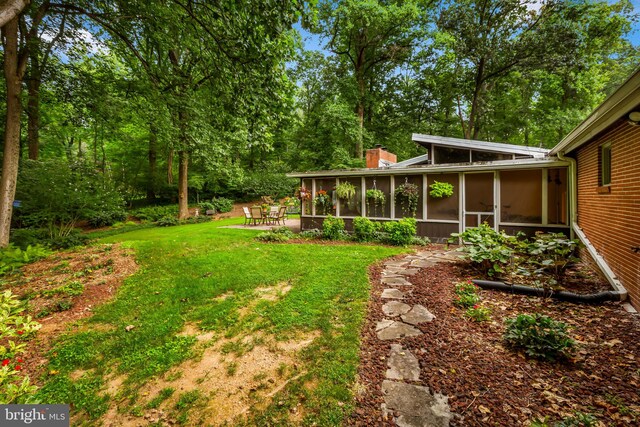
column 414, row 405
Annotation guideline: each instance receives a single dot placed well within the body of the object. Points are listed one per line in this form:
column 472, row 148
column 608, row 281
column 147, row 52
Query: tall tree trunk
column 183, row 201
column 153, row 162
column 13, row 74
column 360, row 113
column 79, row 149
column 170, row 167
column 473, row 129
column 33, row 116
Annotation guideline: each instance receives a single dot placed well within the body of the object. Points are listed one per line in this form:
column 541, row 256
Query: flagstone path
column 406, row 403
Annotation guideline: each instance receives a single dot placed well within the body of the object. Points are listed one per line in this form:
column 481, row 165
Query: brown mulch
column 491, row 385
column 101, row 269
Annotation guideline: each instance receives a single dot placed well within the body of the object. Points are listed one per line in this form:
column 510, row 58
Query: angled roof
column 618, row 104
column 411, row 161
column 495, row 147
column 547, row 162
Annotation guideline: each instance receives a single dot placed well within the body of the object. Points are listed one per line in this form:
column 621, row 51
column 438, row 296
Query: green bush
column 12, row 257
column 154, row 213
column 401, row 233
column 363, row 229
column 206, row 206
column 420, row 241
column 540, row 336
column 167, row 221
column 195, row 219
column 271, row 236
column 311, row 234
column 56, row 195
column 99, row 219
column 72, row 239
column 552, row 252
column 221, row 204
column 333, row 228
column 490, row 250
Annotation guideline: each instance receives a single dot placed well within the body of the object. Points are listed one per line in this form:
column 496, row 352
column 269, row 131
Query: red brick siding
column 611, row 220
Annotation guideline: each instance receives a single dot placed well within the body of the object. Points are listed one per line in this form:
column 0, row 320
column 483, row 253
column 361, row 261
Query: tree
column 371, row 35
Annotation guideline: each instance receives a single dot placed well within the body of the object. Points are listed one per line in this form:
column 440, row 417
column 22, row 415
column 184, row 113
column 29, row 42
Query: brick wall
column 374, row 156
column 610, row 217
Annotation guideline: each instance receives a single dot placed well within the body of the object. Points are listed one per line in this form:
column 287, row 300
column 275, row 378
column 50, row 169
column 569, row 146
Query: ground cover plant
column 492, row 383
column 217, row 325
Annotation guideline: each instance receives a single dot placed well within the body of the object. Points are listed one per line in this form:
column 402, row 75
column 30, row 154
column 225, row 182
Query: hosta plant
column 539, row 336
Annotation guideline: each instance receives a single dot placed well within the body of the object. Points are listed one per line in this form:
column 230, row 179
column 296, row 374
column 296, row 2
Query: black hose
column 598, row 298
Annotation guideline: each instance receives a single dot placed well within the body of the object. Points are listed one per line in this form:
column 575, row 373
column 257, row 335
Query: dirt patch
column 489, row 384
column 270, row 293
column 65, row 288
column 234, row 375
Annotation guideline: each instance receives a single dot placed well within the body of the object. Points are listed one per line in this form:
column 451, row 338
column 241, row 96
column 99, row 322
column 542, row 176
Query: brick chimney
column 379, row 157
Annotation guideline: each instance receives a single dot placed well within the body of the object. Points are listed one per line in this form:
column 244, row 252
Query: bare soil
column 489, row 384
column 99, row 271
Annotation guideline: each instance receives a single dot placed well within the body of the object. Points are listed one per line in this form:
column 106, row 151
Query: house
column 511, row 187
column 587, row 186
column 604, row 156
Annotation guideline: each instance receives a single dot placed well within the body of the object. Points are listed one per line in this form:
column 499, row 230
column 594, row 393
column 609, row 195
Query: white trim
column 313, row 196
column 392, row 195
column 338, row 202
column 471, row 144
column 442, row 221
column 551, row 162
column 425, row 194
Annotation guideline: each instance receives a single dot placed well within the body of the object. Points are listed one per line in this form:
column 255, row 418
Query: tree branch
column 10, row 9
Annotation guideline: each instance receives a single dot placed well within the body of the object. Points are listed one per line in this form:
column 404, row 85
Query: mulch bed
column 491, row 385
column 101, row 269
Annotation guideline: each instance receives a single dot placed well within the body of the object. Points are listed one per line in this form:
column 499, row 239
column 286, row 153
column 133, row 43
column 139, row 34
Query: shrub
column 490, row 250
column 401, row 233
column 195, row 219
column 440, row 190
column 271, row 236
column 167, row 221
column 104, row 218
column 57, row 194
column 553, row 252
column 311, row 234
column 206, row 206
column 420, row 241
column 363, row 229
column 333, row 228
column 540, row 336
column 221, row 204
column 284, row 231
column 154, row 213
column 12, row 257
column 72, row 239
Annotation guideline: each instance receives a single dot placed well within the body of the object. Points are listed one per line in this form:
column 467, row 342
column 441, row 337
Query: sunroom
column 512, row 188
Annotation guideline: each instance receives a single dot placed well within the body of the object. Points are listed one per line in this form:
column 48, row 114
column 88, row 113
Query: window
column 605, row 164
column 521, row 196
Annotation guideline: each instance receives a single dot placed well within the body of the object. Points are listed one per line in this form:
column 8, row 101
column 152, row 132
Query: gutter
column 620, row 292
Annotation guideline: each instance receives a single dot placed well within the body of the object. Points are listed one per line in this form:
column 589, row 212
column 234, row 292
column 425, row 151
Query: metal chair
column 247, row 215
column 280, row 215
column 256, row 214
column 273, row 214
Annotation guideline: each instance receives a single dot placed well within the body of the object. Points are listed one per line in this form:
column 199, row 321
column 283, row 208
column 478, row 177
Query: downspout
column 620, row 291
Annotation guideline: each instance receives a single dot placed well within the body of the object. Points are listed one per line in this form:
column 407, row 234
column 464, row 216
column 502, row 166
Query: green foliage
column 579, row 419
column 401, row 233
column 206, row 206
column 163, row 395
column 364, row 229
column 346, row 191
column 540, row 336
column 333, row 228
column 375, row 198
column 323, row 202
column 420, row 241
column 281, row 234
column 14, row 388
column 57, row 194
column 222, row 204
column 466, row 295
column 154, row 213
column 311, row 234
column 407, row 196
column 478, row 313
column 552, row 252
column 167, row 221
column 12, row 257
column 73, row 288
column 489, row 250
column 440, row 190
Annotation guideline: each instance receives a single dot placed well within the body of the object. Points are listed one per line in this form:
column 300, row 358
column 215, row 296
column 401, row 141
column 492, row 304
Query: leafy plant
column 440, row 190
column 401, row 233
column 333, row 228
column 14, row 327
column 490, row 250
column 12, row 258
column 407, row 196
column 167, row 221
column 376, row 198
column 579, row 419
column 346, row 191
column 540, row 336
column 281, row 234
column 206, row 206
column 478, row 313
column 311, row 234
column 222, row 204
column 466, row 295
column 552, row 252
column 322, row 201
column 363, row 229
column 154, row 213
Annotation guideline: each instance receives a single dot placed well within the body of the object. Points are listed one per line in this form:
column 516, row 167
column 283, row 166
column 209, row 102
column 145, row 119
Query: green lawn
column 214, row 278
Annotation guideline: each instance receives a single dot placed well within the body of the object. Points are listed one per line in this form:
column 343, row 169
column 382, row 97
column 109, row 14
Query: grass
column 185, row 273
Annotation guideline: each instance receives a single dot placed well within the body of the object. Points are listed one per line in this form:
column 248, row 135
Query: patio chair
column 273, row 215
column 247, row 215
column 280, row 215
column 256, row 214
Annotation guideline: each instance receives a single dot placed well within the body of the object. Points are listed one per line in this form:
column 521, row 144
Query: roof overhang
column 548, row 162
column 467, row 144
column 617, row 105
